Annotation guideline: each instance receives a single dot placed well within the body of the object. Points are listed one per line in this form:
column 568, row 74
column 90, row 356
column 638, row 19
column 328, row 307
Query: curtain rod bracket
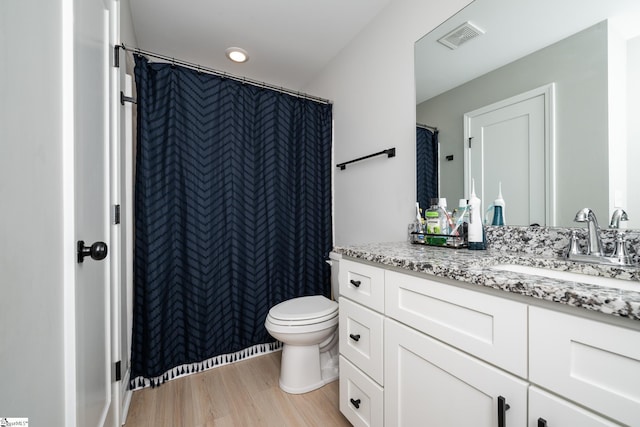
column 124, row 99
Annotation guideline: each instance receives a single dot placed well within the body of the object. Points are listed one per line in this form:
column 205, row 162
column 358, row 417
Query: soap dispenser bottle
column 476, row 230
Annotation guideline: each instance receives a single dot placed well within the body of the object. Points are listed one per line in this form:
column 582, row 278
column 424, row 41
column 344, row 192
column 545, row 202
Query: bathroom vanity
column 440, row 337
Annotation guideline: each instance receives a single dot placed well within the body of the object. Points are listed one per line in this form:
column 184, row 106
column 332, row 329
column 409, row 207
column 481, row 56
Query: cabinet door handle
column 355, row 403
column 503, row 406
column 355, row 337
column 542, row 422
column 355, row 283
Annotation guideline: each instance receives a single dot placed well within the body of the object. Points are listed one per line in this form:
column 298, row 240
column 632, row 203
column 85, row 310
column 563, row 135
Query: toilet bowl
column 308, row 329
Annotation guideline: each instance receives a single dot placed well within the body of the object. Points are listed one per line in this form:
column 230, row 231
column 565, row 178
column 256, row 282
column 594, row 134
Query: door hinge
column 118, row 370
column 116, row 214
column 470, row 138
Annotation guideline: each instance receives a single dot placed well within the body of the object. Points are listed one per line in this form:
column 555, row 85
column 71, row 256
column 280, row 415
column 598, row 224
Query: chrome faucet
column 618, row 215
column 594, row 252
column 594, row 242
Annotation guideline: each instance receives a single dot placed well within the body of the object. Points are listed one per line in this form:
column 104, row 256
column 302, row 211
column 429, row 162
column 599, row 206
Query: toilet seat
column 303, row 311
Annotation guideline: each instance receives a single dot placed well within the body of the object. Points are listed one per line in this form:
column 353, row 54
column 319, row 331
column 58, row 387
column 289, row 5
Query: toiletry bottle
column 433, row 217
column 419, row 225
column 476, row 230
column 498, row 208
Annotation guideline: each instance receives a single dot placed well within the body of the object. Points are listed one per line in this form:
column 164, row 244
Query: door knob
column 97, row 251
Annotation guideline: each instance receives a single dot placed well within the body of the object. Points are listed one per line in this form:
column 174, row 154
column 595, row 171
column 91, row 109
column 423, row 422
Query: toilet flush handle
column 355, row 283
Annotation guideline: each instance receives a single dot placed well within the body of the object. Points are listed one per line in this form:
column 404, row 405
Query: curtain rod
column 433, row 128
column 223, row 74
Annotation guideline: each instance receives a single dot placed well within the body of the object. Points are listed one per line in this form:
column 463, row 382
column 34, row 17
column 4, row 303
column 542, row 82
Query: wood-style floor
column 242, row 394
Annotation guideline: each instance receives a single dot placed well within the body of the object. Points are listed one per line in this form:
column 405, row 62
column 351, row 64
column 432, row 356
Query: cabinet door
column 594, row 364
column 428, row 383
column 361, row 338
column 491, row 328
column 546, row 410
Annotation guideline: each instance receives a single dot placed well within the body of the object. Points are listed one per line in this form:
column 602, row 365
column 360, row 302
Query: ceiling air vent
column 460, row 35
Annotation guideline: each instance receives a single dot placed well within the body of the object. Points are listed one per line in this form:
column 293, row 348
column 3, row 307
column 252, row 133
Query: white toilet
column 308, row 329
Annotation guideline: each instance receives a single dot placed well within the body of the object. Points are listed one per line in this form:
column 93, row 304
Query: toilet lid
column 304, row 308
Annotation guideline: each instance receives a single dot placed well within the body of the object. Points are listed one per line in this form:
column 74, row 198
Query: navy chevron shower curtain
column 426, row 166
column 233, row 215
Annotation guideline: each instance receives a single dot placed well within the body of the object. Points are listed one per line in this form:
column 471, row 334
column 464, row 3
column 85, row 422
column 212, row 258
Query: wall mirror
column 589, row 52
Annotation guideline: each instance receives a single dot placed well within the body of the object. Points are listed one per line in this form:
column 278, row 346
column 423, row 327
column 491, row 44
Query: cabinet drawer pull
column 503, row 406
column 542, row 422
column 355, row 403
column 355, row 283
column 355, row 337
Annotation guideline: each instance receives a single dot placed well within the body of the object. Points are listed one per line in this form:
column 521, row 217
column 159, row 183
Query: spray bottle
column 476, row 230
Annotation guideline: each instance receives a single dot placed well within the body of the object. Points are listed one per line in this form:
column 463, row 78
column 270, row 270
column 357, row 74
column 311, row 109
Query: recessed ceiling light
column 237, row 54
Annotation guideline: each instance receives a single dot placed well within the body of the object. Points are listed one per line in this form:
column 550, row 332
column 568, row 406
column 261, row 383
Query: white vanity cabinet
column 430, row 352
column 361, row 343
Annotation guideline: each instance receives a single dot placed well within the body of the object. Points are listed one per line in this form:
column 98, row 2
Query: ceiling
column 288, row 41
column 520, row 28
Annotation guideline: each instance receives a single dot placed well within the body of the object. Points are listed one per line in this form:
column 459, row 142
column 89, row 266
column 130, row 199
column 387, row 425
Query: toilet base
column 304, row 368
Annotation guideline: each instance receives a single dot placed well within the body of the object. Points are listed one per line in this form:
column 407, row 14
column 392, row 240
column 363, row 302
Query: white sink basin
column 571, row 277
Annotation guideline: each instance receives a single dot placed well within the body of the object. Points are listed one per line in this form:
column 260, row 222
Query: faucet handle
column 620, row 251
column 573, row 244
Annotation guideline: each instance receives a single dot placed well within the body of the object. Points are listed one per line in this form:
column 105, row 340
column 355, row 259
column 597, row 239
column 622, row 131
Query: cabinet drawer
column 548, row 411
column 361, row 399
column 361, row 338
column 362, row 283
column 594, row 364
column 491, row 328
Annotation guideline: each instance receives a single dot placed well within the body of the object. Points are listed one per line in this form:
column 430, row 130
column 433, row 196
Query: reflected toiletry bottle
column 476, row 230
column 498, row 208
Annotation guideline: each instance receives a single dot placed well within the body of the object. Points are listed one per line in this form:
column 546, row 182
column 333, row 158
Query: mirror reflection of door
column 510, row 142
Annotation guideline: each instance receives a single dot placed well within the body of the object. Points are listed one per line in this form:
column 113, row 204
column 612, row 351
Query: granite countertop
column 475, row 267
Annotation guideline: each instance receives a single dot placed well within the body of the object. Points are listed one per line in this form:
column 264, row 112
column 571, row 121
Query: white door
column 509, row 142
column 428, row 383
column 91, row 135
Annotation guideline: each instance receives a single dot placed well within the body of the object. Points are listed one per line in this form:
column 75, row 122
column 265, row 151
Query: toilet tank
column 334, row 262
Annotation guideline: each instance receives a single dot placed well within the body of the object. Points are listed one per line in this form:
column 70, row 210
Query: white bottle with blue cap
column 476, row 230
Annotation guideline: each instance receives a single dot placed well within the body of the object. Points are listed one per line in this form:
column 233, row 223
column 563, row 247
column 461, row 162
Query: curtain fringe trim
column 204, row 365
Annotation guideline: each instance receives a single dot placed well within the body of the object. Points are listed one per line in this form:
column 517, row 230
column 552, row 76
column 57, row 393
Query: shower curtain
column 426, row 166
column 233, row 215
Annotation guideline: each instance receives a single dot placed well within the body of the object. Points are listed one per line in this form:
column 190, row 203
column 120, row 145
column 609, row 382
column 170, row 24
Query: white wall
column 372, row 85
column 31, row 214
